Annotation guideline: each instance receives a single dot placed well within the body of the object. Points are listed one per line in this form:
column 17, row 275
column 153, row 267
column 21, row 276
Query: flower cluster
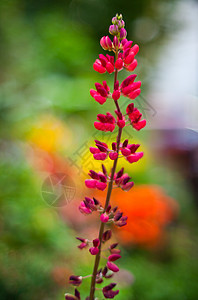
column 123, row 57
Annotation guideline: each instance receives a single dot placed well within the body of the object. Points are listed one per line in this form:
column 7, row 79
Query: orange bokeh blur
column 149, row 210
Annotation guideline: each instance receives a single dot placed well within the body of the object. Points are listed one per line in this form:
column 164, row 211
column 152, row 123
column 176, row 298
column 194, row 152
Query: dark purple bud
column 96, row 202
column 120, row 173
column 98, row 142
column 114, row 209
column 77, row 294
column 90, row 203
column 125, row 143
column 104, row 170
column 108, row 209
column 99, row 280
column 134, row 147
column 101, row 148
column 112, row 246
column 104, row 271
column 126, row 179
column 114, row 146
column 122, row 222
column 106, row 235
column 93, row 174
column 108, row 292
column 126, row 187
column 110, row 286
column 75, row 280
column 130, row 108
column 117, row 216
column 102, row 177
column 128, row 81
column 96, row 242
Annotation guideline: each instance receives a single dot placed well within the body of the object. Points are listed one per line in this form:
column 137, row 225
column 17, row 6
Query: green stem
column 110, row 186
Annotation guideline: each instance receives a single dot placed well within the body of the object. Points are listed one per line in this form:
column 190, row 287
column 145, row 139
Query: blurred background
column 46, row 116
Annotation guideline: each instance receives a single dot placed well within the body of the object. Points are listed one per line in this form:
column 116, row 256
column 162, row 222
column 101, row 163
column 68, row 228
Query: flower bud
column 104, row 218
column 113, row 29
column 106, row 235
column 123, row 33
column 111, row 266
column 93, row 250
column 114, row 257
column 75, row 280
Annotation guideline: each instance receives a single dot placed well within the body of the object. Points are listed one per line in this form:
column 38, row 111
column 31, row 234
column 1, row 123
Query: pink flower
column 104, row 63
column 130, row 88
column 94, row 250
column 104, row 218
column 84, row 243
column 106, row 43
column 98, row 181
column 120, row 119
column 114, row 257
column 122, row 180
column 101, row 152
column 135, row 117
column 101, row 93
column 120, row 220
column 106, row 122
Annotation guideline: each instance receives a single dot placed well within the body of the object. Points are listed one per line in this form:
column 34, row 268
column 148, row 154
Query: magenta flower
column 106, row 43
column 98, row 181
column 135, row 117
column 84, row 243
column 94, row 250
column 104, row 64
column 101, row 93
column 106, row 122
column 104, row 218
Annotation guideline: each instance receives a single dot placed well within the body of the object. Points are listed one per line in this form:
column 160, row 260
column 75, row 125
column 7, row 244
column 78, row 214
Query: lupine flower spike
column 124, row 53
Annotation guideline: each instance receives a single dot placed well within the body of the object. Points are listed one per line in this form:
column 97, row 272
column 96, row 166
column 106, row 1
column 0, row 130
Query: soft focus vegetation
column 46, row 115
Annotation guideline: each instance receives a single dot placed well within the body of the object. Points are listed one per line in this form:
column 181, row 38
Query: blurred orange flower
column 149, row 210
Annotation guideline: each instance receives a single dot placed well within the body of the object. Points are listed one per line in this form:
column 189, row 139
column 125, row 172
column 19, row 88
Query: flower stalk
column 124, row 58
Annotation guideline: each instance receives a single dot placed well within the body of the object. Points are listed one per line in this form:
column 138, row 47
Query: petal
column 111, row 266
column 91, row 183
column 99, row 68
column 135, row 157
column 113, row 155
column 100, row 156
column 139, row 125
column 101, row 185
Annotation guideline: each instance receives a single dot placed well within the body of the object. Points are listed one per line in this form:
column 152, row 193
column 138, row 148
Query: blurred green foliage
column 47, row 49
